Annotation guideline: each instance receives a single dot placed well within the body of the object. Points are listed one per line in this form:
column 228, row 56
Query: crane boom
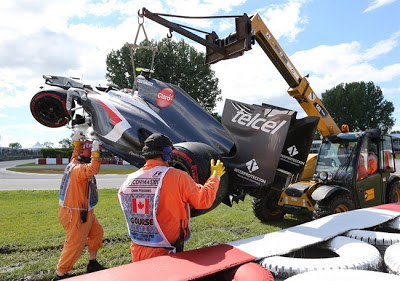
column 300, row 88
column 235, row 44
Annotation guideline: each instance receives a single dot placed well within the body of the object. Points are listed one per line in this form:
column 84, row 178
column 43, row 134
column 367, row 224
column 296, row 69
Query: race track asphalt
column 16, row 181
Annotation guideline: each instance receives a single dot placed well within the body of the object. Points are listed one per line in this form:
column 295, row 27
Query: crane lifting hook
column 140, row 16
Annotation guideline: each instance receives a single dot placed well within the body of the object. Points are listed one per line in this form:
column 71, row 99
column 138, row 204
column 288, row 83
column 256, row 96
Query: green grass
column 26, row 164
column 31, row 237
column 44, row 170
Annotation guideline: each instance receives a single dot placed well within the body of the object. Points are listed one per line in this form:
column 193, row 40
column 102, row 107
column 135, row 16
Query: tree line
column 175, row 62
column 361, row 105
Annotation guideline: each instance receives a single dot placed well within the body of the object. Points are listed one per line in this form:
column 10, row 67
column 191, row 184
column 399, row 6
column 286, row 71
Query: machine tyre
column 381, row 240
column 392, row 259
column 350, row 254
column 393, row 192
column 194, row 158
column 332, row 205
column 48, row 107
column 266, row 208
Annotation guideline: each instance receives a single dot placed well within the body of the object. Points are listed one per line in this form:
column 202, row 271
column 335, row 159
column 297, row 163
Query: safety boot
column 94, row 265
column 65, row 276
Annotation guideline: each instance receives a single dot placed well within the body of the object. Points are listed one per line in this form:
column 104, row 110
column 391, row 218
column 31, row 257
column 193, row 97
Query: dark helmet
column 158, row 145
column 86, row 153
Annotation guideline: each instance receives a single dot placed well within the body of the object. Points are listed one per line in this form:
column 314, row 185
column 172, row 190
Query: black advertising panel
column 259, row 135
column 297, row 145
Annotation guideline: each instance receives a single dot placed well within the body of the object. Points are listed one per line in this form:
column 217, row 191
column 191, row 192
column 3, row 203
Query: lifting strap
column 134, row 46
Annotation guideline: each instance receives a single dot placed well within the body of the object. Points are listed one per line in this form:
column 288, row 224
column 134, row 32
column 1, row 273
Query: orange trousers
column 77, row 235
column 140, row 253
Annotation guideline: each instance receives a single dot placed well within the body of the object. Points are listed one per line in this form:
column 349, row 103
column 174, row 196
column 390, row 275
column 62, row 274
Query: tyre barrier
column 392, row 259
column 65, row 161
column 344, row 275
column 210, row 262
column 352, row 254
column 51, row 161
column 381, row 240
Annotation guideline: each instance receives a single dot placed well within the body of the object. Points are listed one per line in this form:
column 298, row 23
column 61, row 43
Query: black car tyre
column 332, row 205
column 194, row 158
column 266, row 208
column 350, row 254
column 48, row 107
column 381, row 240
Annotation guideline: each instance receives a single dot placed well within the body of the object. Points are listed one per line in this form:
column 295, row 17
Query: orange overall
column 178, row 189
column 79, row 234
column 372, row 163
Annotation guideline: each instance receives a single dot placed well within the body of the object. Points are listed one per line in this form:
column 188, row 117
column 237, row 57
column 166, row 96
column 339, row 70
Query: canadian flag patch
column 141, row 206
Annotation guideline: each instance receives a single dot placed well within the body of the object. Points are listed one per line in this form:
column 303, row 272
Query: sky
column 334, row 41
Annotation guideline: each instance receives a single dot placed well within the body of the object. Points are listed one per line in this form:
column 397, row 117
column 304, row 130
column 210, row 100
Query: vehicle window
column 335, row 156
column 372, row 158
column 388, row 160
column 362, row 169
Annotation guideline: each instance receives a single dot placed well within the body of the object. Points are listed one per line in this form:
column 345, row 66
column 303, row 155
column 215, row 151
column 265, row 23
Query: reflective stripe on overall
column 139, row 198
column 93, row 196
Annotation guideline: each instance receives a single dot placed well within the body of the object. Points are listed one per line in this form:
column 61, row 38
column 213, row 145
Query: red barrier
column 188, row 265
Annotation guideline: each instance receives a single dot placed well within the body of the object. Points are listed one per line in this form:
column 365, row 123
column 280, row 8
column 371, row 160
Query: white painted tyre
column 344, row 275
column 352, row 254
column 392, row 259
column 381, row 240
column 393, row 224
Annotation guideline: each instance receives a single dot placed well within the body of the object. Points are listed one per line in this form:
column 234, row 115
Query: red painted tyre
column 48, row 107
column 250, row 272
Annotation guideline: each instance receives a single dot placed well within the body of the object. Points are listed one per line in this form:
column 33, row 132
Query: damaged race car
column 263, row 147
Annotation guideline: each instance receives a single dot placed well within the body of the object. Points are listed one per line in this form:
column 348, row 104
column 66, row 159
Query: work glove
column 76, row 138
column 217, row 169
column 95, row 148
